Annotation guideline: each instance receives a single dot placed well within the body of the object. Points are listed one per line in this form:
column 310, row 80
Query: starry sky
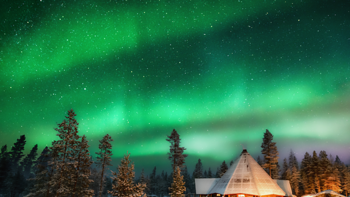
column 219, row 72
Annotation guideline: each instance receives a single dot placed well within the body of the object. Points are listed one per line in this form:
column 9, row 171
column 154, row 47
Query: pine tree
column 16, row 153
column 39, row 183
column 325, row 170
column 205, row 175
column 5, row 168
column 67, row 157
column 104, row 157
column 143, row 180
column 231, row 162
column 177, row 187
column 293, row 160
column 198, row 170
column 28, row 161
column 176, row 155
column 286, row 173
column 314, row 174
column 153, row 181
column 295, row 179
column 269, row 150
column 346, row 182
column 82, row 166
column 187, row 179
column 304, row 170
column 276, row 172
column 210, row 175
column 107, row 186
column 17, row 183
column 123, row 185
column 217, row 174
column 223, row 168
column 96, row 178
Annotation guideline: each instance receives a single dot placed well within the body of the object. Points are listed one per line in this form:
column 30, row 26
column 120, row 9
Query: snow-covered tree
column 304, row 170
column 104, row 157
column 293, row 161
column 187, row 179
column 314, row 174
column 223, row 168
column 81, row 179
column 123, row 181
column 286, row 173
column 269, row 150
column 177, row 187
column 325, row 169
column 346, row 181
column 295, row 179
column 198, row 170
column 176, row 155
column 40, row 183
column 276, row 172
column 95, row 176
column 28, row 162
column 67, row 158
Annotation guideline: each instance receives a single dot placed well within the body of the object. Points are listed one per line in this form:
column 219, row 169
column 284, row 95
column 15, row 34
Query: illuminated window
column 217, row 194
column 241, row 195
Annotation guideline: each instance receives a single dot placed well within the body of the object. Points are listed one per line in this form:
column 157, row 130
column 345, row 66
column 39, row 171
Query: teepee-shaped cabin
column 245, row 178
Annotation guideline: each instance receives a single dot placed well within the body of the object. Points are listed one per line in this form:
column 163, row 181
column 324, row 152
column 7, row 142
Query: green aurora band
column 219, row 72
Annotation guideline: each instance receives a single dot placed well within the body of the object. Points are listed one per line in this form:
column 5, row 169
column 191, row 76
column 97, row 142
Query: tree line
column 66, row 169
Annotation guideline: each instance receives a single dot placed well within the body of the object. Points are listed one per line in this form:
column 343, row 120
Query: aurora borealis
column 219, row 72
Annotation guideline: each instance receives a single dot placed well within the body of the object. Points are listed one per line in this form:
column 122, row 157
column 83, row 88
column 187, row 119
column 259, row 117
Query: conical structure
column 246, row 176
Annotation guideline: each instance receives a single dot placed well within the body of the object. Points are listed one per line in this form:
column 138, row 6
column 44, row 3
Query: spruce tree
column 293, row 160
column 17, row 183
column 304, row 170
column 144, row 180
column 123, row 185
column 198, row 170
column 177, row 187
column 314, row 174
column 107, row 186
column 28, row 161
column 39, row 183
column 96, row 178
column 346, row 182
column 16, row 153
column 81, row 177
column 5, row 168
column 187, row 179
column 231, row 162
column 294, row 180
column 205, row 175
column 176, row 155
column 286, row 173
column 65, row 170
column 269, row 150
column 217, row 174
column 104, row 157
column 153, row 181
column 210, row 175
column 276, row 172
column 325, row 168
column 223, row 168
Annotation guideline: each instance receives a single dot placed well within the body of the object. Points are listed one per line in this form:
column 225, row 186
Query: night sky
column 219, row 72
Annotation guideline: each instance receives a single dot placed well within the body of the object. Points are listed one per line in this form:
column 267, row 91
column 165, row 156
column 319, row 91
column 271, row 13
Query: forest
column 67, row 169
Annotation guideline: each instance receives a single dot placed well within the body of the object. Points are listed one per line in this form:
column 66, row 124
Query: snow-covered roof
column 203, row 185
column 244, row 176
column 285, row 186
column 329, row 191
